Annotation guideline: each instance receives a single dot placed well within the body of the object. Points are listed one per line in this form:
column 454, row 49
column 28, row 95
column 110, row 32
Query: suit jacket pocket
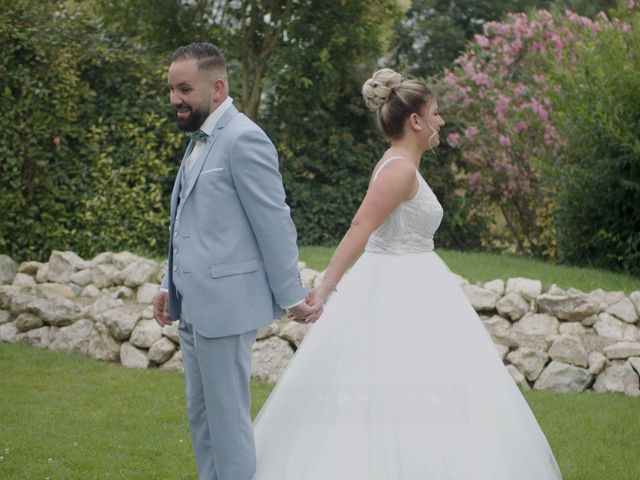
column 235, row 268
column 212, row 172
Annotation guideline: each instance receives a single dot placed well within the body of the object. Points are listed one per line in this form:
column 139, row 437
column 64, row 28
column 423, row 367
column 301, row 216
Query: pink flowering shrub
column 499, row 99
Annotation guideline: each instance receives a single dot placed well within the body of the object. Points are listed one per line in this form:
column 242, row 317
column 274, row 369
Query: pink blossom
column 450, row 78
column 504, row 141
column 481, row 78
column 527, row 31
column 453, row 139
column 474, row 179
column 537, row 108
column 516, row 46
column 481, row 41
column 519, row 127
column 519, row 89
column 545, row 15
column 469, row 69
column 502, row 102
column 471, row 132
column 549, row 137
column 450, row 97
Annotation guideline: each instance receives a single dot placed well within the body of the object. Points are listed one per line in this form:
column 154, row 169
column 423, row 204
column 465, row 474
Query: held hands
column 161, row 309
column 305, row 312
column 310, row 310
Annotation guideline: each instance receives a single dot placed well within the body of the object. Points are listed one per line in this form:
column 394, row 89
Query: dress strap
column 382, row 166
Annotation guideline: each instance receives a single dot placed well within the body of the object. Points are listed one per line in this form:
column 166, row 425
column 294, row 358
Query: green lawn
column 64, row 417
column 486, row 266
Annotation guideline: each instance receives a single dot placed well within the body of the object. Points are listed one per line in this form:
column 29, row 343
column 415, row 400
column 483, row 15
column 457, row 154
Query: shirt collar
column 212, row 120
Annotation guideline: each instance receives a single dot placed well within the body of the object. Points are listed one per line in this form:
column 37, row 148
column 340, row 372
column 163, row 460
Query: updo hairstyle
column 394, row 99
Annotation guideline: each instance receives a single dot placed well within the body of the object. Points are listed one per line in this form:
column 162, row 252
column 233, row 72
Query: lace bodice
column 411, row 226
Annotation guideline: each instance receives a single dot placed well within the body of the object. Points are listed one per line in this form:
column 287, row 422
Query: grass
column 486, row 266
column 590, row 433
column 72, row 418
column 67, row 417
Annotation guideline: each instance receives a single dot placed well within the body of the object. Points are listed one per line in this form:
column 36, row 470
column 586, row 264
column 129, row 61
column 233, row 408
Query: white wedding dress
column 398, row 379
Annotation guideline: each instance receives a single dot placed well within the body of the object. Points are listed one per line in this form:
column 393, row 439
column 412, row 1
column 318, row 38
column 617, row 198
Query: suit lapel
column 197, row 167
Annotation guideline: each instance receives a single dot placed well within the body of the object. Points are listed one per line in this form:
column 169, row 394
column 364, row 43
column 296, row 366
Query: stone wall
column 562, row 340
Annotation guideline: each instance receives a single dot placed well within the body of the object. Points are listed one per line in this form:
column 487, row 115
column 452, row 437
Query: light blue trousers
column 217, row 372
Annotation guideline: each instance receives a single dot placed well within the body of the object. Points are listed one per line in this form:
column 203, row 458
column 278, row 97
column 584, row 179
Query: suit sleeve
column 255, row 173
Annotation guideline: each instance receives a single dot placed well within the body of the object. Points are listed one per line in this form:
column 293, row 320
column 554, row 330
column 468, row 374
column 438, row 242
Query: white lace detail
column 411, row 226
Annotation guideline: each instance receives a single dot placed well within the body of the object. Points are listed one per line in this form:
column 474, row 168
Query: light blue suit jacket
column 233, row 250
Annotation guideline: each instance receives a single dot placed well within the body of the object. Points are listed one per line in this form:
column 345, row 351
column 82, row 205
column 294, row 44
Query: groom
column 232, row 259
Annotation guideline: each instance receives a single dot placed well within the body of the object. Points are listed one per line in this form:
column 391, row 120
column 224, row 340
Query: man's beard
column 194, row 121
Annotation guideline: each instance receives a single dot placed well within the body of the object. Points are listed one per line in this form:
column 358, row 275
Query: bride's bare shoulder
column 396, row 166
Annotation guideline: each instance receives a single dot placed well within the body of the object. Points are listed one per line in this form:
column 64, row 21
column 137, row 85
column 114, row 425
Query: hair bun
column 377, row 89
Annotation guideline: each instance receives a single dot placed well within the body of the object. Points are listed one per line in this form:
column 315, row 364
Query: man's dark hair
column 207, row 54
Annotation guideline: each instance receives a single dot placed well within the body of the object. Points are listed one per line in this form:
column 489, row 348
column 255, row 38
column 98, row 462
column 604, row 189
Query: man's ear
column 218, row 88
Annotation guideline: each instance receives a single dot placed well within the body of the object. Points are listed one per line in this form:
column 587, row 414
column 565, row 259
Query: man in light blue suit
column 232, row 259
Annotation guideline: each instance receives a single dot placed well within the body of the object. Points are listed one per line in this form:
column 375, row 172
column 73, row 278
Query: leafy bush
column 598, row 182
column 87, row 144
column 42, row 127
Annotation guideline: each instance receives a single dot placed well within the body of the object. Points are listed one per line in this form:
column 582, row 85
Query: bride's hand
column 313, row 298
column 321, row 293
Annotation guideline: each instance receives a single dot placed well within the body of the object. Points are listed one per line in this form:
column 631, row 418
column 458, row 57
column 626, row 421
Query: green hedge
column 598, row 216
column 87, row 145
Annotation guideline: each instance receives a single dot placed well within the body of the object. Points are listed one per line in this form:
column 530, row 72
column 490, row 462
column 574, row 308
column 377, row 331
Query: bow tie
column 198, row 136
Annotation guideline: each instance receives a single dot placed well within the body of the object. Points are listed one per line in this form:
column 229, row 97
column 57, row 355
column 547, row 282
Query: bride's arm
column 396, row 183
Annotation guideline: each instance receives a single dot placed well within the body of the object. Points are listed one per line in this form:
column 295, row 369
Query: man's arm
column 255, row 173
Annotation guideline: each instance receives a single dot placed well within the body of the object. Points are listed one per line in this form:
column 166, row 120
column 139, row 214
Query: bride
column 399, row 380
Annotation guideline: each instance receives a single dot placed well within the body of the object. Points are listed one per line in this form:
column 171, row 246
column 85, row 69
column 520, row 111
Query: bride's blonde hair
column 394, row 99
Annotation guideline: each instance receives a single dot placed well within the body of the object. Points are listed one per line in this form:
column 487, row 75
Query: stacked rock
column 561, row 340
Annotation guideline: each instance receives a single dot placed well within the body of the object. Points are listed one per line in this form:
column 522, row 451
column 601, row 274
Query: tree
column 434, row 32
column 314, row 111
column 253, row 34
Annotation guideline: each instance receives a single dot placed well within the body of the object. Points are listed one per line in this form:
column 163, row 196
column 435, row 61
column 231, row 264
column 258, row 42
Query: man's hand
column 305, row 312
column 161, row 309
